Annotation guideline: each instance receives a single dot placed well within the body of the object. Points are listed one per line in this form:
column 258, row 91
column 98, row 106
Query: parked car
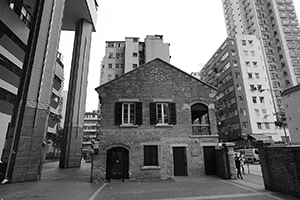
column 250, row 155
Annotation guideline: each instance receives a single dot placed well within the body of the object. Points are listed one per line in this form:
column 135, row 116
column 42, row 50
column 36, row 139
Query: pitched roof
column 158, row 60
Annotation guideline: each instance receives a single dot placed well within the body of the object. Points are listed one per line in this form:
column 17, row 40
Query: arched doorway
column 117, row 163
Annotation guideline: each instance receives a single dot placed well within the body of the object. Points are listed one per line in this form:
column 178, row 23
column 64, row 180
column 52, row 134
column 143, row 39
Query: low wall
column 225, row 161
column 280, row 168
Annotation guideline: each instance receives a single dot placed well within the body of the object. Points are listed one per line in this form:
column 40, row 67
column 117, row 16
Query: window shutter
column 154, row 156
column 118, row 113
column 152, row 113
column 138, row 113
column 146, row 156
column 172, row 107
column 150, row 155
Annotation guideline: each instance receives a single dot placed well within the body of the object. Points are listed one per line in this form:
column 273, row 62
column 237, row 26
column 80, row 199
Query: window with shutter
column 128, row 113
column 150, row 155
column 162, row 113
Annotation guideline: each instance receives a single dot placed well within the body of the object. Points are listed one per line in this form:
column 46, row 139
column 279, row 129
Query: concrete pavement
column 191, row 189
column 57, row 184
column 253, row 169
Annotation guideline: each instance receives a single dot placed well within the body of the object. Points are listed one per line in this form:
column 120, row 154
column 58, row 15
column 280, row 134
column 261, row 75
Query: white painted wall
column 155, row 48
column 261, row 69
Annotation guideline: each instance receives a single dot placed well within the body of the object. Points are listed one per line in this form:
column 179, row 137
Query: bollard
column 248, row 167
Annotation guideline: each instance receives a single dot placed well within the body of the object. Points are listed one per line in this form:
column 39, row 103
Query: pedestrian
column 242, row 160
column 238, row 166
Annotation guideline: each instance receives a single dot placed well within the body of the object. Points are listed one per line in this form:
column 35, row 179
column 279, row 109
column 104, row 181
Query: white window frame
column 128, row 121
column 164, row 107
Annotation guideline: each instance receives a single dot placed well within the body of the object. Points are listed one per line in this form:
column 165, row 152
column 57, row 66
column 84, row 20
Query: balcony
column 200, row 129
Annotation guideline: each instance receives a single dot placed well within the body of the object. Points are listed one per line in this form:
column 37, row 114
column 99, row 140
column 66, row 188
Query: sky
column 195, row 29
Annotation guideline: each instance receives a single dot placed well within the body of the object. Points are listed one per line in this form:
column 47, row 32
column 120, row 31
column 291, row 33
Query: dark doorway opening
column 180, row 163
column 117, row 163
column 210, row 160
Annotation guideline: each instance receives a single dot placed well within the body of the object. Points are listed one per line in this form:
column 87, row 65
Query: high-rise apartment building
column 244, row 104
column 54, row 119
column 91, row 125
column 276, row 26
column 124, row 56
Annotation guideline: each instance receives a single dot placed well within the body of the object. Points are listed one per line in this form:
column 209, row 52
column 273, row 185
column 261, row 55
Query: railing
column 200, row 129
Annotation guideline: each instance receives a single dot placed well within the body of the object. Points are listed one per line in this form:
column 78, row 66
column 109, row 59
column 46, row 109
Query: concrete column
column 73, row 131
column 229, row 154
column 23, row 151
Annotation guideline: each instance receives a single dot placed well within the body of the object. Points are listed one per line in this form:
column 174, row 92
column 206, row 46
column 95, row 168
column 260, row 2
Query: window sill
column 150, row 167
column 163, row 125
column 128, row 126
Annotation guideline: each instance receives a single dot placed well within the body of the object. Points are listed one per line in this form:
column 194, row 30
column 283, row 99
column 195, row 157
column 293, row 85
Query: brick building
column 156, row 122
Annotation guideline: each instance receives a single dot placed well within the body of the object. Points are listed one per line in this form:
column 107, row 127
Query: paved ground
column 253, row 169
column 57, row 184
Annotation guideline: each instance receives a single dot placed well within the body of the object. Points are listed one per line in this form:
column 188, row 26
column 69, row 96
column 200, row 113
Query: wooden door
column 210, row 160
column 117, row 163
column 180, row 164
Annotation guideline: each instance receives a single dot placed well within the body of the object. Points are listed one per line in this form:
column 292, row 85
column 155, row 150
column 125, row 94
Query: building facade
column 91, row 126
column 276, row 26
column 244, row 104
column 29, row 39
column 291, row 104
column 55, row 113
column 13, row 40
column 123, row 56
column 159, row 125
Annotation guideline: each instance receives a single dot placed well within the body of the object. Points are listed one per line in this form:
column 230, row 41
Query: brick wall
column 281, row 168
column 155, row 80
column 225, row 161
